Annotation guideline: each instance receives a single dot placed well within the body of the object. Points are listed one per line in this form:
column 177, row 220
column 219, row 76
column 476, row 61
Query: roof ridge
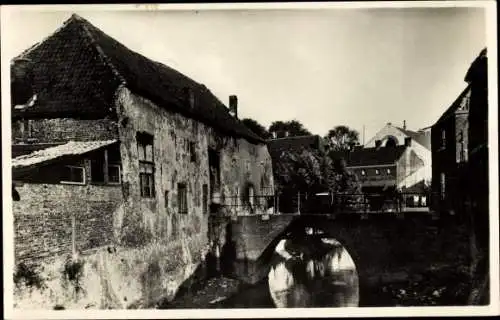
column 84, row 25
column 27, row 51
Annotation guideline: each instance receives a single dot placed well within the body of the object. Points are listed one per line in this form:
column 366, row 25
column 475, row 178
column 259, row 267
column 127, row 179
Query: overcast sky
column 323, row 67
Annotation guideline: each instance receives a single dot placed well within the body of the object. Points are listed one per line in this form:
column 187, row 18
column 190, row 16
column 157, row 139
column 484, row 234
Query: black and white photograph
column 338, row 158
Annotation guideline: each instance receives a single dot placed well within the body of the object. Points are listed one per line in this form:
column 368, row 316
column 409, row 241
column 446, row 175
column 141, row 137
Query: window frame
column 182, row 203
column 119, row 174
column 143, row 141
column 84, row 175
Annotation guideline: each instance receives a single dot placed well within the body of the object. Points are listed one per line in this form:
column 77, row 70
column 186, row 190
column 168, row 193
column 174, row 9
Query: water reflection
column 312, row 271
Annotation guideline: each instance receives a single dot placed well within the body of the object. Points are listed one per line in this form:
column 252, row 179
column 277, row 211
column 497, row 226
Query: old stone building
column 118, row 135
column 449, row 155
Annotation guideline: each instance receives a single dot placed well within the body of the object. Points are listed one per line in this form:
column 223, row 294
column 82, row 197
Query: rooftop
column 278, row 146
column 78, row 69
column 370, row 156
column 43, row 156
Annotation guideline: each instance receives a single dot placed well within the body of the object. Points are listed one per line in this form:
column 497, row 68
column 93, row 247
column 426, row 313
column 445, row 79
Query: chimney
column 233, row 105
column 408, row 141
column 378, row 143
column 404, row 124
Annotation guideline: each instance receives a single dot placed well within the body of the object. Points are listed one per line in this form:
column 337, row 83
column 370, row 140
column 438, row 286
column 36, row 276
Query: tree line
column 340, row 137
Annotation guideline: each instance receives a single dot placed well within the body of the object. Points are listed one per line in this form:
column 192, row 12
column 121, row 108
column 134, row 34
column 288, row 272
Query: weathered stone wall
column 240, row 163
column 43, row 219
column 65, row 129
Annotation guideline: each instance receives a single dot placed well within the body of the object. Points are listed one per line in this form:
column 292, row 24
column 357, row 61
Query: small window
column 443, row 185
column 114, row 174
column 363, row 172
column 182, row 198
column 377, row 171
column 97, row 170
column 73, row 175
column 192, row 151
column 166, row 199
column 205, row 198
column 443, row 139
column 146, row 164
column 388, row 171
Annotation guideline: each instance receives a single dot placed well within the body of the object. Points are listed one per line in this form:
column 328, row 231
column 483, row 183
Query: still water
column 306, row 271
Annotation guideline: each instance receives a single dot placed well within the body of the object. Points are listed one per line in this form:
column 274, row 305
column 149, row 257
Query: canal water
column 306, row 271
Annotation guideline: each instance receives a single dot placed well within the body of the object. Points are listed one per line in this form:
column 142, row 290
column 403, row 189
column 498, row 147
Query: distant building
column 449, row 155
column 382, row 168
column 391, row 135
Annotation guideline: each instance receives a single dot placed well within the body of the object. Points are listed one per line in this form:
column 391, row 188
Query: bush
column 73, row 272
column 27, row 275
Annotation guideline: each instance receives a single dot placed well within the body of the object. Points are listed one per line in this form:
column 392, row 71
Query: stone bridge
column 381, row 245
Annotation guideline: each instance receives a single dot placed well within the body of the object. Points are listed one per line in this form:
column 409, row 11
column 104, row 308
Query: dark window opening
column 205, row 198
column 214, row 167
column 182, row 198
column 192, row 151
column 443, row 139
column 146, row 164
column 114, row 173
column 166, row 199
column 97, row 169
column 73, row 174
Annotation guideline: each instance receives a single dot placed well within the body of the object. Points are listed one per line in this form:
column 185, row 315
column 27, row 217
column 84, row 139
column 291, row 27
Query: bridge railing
column 327, row 202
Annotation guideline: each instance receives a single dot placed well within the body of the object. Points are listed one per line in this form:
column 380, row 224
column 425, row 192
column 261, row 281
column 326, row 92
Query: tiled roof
column 278, row 146
column 370, row 156
column 23, row 149
column 71, row 148
column 422, row 138
column 79, row 68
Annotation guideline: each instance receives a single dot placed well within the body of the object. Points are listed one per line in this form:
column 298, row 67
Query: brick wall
column 43, row 219
column 64, row 129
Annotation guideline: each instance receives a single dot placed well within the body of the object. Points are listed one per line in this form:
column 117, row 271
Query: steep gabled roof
column 370, row 156
column 79, row 68
column 457, row 104
column 278, row 146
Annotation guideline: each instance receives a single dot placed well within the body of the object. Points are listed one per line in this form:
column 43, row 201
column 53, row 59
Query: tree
column 342, row 138
column 21, row 81
column 256, row 128
column 310, row 171
column 293, row 127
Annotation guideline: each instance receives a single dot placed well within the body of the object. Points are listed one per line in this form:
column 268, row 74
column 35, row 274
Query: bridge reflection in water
column 312, row 271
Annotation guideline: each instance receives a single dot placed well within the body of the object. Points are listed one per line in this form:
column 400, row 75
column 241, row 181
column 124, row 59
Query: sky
column 324, row 67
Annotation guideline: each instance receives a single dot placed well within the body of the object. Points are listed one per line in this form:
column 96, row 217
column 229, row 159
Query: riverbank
column 443, row 286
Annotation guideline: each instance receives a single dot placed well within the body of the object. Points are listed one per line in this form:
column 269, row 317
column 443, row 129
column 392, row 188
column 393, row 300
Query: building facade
column 450, row 155
column 385, row 167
